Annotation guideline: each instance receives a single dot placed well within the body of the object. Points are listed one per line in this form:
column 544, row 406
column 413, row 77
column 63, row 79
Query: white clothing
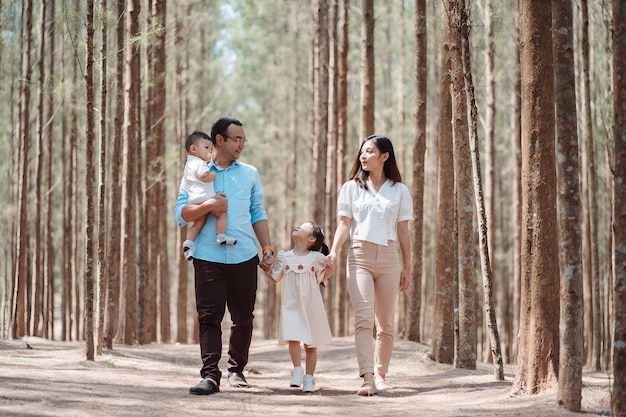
column 302, row 313
column 199, row 191
column 375, row 214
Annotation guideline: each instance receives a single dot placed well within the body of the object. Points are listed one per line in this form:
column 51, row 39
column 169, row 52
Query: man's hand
column 218, row 204
column 268, row 260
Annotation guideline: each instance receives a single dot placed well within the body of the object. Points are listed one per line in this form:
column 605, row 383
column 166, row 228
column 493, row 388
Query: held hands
column 329, row 262
column 268, row 259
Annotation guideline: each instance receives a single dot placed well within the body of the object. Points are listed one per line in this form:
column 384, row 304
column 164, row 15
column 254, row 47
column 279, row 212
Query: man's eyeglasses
column 240, row 141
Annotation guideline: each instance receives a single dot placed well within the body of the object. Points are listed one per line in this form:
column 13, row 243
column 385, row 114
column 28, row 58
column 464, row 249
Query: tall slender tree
column 485, row 260
column 38, row 264
column 102, row 188
column 115, row 190
column 89, row 188
column 571, row 336
column 538, row 339
column 162, row 262
column 516, row 207
column 21, row 271
column 368, row 81
column 342, row 151
column 419, row 149
column 589, row 205
column 50, row 316
column 466, row 343
column 445, row 292
column 618, row 392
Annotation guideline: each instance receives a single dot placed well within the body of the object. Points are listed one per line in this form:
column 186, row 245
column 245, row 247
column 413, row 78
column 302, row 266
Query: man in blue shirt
column 227, row 275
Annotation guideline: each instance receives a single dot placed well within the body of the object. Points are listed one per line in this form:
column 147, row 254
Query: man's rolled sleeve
column 257, row 211
column 182, row 201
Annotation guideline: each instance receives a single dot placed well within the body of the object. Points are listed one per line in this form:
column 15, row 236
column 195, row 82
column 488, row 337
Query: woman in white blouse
column 374, row 208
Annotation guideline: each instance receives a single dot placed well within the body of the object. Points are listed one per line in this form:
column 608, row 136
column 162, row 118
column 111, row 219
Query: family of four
column 223, row 197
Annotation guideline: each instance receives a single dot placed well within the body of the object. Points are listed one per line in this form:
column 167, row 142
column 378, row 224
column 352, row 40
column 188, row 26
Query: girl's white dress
column 303, row 316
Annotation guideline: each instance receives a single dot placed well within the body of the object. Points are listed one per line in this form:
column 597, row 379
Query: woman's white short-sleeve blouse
column 375, row 214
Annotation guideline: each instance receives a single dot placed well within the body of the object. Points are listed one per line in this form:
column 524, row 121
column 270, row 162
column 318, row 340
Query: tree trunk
column 49, row 320
column 593, row 326
column 73, row 281
column 115, row 193
column 419, row 149
column 330, row 192
column 539, row 343
column 571, row 331
column 89, row 188
column 102, row 213
column 38, row 264
column 485, row 261
column 618, row 392
column 320, row 105
column 180, row 57
column 516, row 223
column 161, row 184
column 342, row 148
column 464, row 192
column 129, row 189
column 442, row 345
column 21, row 272
column 490, row 176
column 368, row 81
column 146, row 288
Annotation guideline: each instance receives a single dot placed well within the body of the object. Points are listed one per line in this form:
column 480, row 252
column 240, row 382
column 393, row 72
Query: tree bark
column 103, row 215
column 368, row 81
column 129, row 190
column 342, row 148
column 464, row 192
column 19, row 328
column 38, row 264
column 618, row 392
column 485, row 261
column 419, row 149
column 164, row 307
column 442, row 345
column 89, row 188
column 571, row 330
column 516, row 209
column 115, row 192
column 49, row 319
column 539, row 344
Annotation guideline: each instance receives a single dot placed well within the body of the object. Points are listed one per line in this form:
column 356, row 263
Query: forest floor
column 49, row 378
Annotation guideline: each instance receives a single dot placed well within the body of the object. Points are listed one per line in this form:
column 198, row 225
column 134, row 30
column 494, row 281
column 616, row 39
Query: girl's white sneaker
column 297, row 374
column 308, row 384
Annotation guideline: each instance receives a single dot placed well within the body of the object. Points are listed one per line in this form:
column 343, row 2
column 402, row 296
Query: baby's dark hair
column 318, row 245
column 194, row 138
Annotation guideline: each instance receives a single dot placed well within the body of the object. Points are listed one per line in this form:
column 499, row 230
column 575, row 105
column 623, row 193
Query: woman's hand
column 405, row 279
column 329, row 261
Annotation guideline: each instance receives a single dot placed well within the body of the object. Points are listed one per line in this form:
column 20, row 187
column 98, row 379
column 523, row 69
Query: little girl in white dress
column 303, row 316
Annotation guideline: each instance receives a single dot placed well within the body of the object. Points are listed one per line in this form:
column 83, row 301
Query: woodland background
column 100, row 96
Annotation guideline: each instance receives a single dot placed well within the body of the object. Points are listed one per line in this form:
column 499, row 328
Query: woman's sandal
column 382, row 385
column 366, row 390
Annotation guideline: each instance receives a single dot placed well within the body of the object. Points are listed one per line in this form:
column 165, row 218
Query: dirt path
column 54, row 379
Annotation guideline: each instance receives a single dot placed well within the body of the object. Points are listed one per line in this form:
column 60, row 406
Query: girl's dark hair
column 390, row 168
column 318, row 245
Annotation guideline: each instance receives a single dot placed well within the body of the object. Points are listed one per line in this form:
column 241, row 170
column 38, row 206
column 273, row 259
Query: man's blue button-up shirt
column 242, row 185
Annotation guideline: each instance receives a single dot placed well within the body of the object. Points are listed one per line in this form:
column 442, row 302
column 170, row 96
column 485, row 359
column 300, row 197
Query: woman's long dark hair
column 390, row 169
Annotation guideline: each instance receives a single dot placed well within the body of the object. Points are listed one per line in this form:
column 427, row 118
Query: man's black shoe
column 204, row 387
column 237, row 380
